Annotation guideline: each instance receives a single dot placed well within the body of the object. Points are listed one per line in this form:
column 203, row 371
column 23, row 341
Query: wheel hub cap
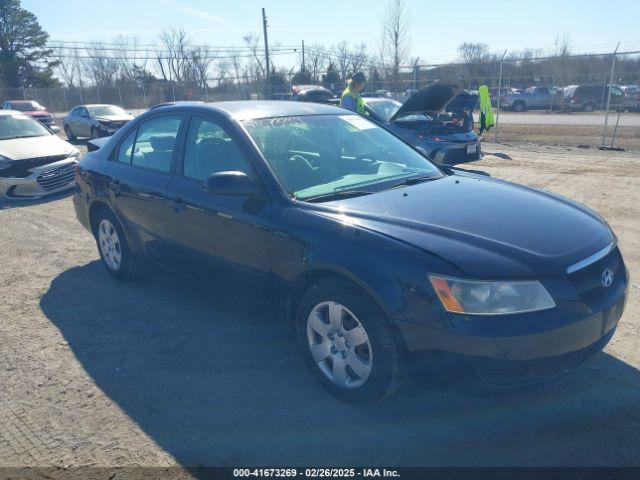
column 339, row 344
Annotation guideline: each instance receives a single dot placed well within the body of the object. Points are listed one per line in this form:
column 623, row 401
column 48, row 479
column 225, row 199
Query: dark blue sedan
column 438, row 119
column 373, row 255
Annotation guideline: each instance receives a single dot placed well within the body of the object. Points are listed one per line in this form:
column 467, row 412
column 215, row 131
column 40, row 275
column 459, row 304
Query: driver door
column 222, row 239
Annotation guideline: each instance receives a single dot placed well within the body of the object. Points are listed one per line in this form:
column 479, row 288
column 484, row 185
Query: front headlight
column 478, row 297
column 104, row 123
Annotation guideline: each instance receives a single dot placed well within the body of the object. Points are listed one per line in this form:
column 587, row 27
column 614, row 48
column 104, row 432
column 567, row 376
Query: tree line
column 28, row 59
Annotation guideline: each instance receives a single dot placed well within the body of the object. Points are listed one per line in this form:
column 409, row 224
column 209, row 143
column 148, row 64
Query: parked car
column 533, row 98
column 34, row 162
column 32, row 109
column 311, row 93
column 587, row 98
column 94, row 121
column 372, row 254
column 631, row 98
column 432, row 119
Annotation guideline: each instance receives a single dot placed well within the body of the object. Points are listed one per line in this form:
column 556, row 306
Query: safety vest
column 356, row 96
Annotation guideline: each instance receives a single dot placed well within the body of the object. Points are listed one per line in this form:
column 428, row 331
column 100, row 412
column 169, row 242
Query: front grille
column 57, row 177
column 588, row 280
column 20, row 168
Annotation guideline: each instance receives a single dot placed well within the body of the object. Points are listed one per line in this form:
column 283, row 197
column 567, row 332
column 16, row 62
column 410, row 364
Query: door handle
column 178, row 204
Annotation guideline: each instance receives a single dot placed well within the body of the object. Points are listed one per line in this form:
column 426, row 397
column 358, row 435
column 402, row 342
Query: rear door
column 224, row 239
column 139, row 176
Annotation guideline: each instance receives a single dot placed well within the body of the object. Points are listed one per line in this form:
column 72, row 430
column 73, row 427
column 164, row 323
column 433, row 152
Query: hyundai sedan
column 34, row 162
column 373, row 255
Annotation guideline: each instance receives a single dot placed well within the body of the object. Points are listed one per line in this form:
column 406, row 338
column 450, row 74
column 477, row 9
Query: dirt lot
column 159, row 372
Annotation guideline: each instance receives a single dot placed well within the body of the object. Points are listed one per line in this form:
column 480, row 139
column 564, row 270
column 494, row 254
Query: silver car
column 34, row 162
column 94, row 121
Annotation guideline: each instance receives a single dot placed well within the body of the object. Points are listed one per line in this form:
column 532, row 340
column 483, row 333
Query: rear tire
column 348, row 343
column 113, row 248
column 588, row 107
column 69, row 133
column 519, row 107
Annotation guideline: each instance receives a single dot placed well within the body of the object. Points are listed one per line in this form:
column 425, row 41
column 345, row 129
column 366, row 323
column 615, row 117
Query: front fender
column 392, row 273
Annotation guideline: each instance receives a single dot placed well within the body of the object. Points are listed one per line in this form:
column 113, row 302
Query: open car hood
column 431, row 99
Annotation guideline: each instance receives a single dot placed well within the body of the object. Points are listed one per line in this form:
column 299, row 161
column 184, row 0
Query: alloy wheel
column 109, row 244
column 339, row 344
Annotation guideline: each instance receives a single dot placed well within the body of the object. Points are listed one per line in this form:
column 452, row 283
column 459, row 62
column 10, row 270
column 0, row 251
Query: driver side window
column 209, row 149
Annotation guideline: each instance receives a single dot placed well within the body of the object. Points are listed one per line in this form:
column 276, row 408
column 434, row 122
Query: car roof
column 96, row 105
column 10, row 112
column 255, row 109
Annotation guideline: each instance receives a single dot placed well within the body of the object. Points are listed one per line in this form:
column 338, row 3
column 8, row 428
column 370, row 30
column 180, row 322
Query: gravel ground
column 160, row 372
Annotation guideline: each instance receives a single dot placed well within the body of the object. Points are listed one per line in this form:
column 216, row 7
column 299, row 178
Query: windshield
column 102, row 110
column 18, row 125
column 316, row 155
column 27, row 106
column 385, row 109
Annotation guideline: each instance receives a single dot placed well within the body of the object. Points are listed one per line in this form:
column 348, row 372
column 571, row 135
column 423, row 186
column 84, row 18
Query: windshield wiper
column 337, row 195
column 413, row 181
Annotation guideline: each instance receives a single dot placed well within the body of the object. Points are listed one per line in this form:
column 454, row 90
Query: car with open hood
column 94, row 121
column 437, row 119
column 32, row 109
column 34, row 161
column 376, row 258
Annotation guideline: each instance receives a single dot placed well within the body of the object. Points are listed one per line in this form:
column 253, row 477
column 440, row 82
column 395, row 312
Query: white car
column 34, row 162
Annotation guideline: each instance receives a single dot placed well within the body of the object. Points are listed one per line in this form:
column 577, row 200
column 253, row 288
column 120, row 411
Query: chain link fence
column 516, row 84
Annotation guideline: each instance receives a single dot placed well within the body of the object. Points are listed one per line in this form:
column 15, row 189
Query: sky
column 436, row 28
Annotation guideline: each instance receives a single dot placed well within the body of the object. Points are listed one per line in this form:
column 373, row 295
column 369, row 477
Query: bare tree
column 343, row 58
column 252, row 41
column 316, row 59
column 562, row 52
column 102, row 68
column 359, row 57
column 173, row 58
column 201, row 58
column 395, row 36
column 473, row 55
column 68, row 66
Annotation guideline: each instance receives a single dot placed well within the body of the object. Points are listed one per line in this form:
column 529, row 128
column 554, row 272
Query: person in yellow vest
column 486, row 110
column 351, row 97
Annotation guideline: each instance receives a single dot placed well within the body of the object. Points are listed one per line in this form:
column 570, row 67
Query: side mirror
column 54, row 128
column 231, row 183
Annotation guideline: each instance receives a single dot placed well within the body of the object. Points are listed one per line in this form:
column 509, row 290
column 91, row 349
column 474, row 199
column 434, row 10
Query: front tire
column 94, row 133
column 69, row 133
column 113, row 248
column 348, row 343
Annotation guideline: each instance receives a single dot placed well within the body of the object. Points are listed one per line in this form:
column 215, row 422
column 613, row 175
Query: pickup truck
column 533, row 98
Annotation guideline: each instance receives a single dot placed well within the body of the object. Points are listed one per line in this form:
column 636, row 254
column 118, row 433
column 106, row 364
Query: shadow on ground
column 214, row 382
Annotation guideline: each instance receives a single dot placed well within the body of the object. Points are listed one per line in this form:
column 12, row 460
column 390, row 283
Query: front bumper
column 523, row 348
column 41, row 181
column 456, row 153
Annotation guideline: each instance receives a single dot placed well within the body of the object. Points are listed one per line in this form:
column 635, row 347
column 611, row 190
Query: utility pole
column 303, row 64
column 499, row 96
column 266, row 55
column 608, row 87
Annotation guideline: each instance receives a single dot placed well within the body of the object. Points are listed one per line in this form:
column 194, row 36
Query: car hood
column 430, row 99
column 45, row 146
column 115, row 118
column 486, row 228
column 37, row 113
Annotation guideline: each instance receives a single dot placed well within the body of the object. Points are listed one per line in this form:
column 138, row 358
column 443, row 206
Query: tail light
column 575, row 99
